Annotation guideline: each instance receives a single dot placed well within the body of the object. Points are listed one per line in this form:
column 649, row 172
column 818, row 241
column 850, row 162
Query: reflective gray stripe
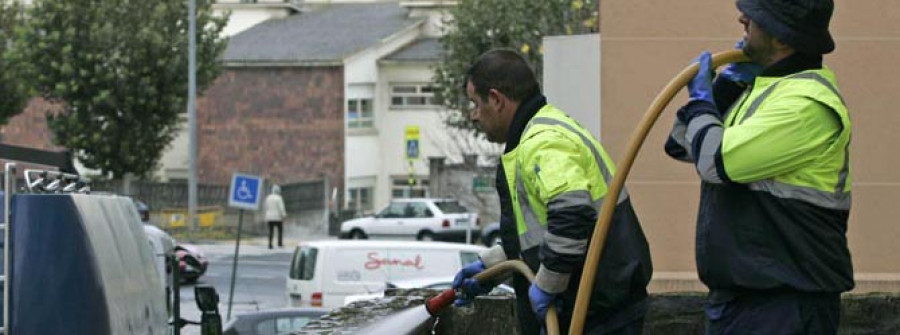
column 697, row 124
column 840, row 201
column 570, row 199
column 677, row 133
column 845, row 171
column 607, row 177
column 804, row 75
column 534, row 230
column 551, row 281
column 565, row 245
column 756, row 102
column 492, row 256
column 706, row 163
column 817, row 77
column 574, row 198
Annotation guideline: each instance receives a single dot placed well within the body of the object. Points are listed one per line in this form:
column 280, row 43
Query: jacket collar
column 794, row 63
column 524, row 113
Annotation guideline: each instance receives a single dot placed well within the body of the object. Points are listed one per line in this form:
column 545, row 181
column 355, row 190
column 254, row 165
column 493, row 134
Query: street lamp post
column 192, row 118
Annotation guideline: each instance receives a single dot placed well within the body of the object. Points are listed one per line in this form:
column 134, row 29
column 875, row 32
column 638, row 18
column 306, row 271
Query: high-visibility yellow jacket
column 775, row 194
column 557, row 177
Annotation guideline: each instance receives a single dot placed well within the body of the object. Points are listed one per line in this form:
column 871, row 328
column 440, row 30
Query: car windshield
column 450, row 207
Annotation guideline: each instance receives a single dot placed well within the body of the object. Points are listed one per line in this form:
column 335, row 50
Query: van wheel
column 425, row 236
column 357, row 234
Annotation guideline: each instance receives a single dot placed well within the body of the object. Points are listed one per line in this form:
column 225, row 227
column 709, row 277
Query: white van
column 322, row 273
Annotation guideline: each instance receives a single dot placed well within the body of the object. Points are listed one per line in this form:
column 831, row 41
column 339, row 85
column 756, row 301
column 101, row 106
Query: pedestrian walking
column 275, row 214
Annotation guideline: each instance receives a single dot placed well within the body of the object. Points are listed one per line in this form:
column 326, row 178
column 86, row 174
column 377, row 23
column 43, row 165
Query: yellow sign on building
column 412, row 142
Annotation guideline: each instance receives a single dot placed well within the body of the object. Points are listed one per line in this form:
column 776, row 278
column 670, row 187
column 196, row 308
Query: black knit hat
column 801, row 24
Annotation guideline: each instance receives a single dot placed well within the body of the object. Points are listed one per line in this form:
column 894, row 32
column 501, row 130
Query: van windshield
column 450, row 207
column 303, row 266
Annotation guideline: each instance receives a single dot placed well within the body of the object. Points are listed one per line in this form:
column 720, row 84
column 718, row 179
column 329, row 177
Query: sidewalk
column 254, row 245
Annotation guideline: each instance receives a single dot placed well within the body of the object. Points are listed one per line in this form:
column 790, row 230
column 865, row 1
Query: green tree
column 477, row 26
column 13, row 74
column 119, row 68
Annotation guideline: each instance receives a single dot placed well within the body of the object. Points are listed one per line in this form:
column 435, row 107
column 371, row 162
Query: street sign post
column 245, row 193
column 412, row 152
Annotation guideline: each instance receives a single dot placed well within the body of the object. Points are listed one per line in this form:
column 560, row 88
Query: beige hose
column 622, row 169
column 503, row 268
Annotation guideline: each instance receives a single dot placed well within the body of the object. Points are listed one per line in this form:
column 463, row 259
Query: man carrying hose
column 770, row 141
column 551, row 180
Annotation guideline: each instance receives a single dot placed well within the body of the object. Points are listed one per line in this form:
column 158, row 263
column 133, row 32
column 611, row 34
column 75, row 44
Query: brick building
column 284, row 123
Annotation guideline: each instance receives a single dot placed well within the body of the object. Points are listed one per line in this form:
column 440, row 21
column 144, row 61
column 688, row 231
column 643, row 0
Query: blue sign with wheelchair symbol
column 245, row 191
column 412, row 149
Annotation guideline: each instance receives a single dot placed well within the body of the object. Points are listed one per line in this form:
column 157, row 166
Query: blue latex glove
column 466, row 286
column 700, row 88
column 540, row 301
column 742, row 73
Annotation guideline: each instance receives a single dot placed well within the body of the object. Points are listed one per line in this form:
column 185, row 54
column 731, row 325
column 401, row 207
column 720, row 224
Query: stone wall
column 284, row 123
column 487, row 315
column 670, row 314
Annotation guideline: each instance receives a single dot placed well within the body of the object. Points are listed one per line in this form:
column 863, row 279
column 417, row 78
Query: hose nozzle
column 437, row 304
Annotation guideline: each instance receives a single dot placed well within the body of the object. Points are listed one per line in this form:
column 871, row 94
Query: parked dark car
column 191, row 261
column 490, row 234
column 271, row 322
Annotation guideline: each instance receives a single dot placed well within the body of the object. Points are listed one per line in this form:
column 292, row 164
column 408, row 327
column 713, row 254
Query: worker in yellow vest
column 770, row 141
column 552, row 179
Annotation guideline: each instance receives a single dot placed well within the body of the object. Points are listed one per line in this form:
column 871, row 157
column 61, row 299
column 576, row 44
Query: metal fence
column 159, row 195
column 298, row 196
column 304, row 196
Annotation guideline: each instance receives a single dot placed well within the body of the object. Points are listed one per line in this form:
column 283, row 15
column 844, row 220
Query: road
column 259, row 285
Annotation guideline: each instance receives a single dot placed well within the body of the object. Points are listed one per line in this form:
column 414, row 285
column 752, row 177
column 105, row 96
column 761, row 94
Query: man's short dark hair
column 505, row 71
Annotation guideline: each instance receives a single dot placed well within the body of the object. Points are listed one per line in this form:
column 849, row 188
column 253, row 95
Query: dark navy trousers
column 778, row 313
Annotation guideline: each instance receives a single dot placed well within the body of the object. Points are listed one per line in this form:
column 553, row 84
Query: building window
column 412, row 96
column 402, row 188
column 359, row 113
column 360, row 198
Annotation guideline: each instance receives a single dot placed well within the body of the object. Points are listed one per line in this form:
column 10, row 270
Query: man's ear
column 498, row 97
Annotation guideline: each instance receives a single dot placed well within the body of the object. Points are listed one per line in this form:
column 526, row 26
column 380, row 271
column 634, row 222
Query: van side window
column 303, row 266
column 467, row 257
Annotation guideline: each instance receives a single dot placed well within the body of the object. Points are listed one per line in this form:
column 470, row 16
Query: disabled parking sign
column 245, row 191
column 412, row 142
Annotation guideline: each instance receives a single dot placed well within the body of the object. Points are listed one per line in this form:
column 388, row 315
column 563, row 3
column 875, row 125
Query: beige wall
column 645, row 43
